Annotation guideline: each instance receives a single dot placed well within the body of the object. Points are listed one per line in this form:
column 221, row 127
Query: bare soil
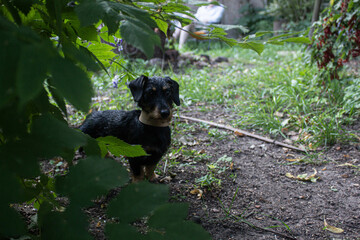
column 255, row 199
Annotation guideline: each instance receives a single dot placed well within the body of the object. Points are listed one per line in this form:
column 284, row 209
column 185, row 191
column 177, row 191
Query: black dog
column 148, row 127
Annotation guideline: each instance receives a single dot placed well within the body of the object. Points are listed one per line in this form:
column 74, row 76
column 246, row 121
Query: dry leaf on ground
column 332, row 228
column 304, row 177
column 197, row 192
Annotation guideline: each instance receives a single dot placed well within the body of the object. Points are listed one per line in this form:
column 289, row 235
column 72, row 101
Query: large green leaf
column 71, row 224
column 72, row 82
column 102, row 52
column 115, row 231
column 304, row 40
column 120, row 148
column 12, row 191
column 257, row 47
column 134, row 12
column 90, row 178
column 9, row 56
column 137, row 200
column 169, row 213
column 81, row 55
column 11, row 223
column 54, row 137
column 163, row 26
column 169, row 219
column 24, row 5
column 91, row 11
column 180, row 231
column 139, row 35
column 59, row 100
column 22, row 157
column 32, row 69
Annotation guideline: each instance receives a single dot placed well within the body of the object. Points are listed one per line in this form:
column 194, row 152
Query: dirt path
column 254, row 188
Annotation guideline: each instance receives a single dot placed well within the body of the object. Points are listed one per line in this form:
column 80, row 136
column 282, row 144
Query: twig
column 235, row 130
column 267, row 230
column 242, row 219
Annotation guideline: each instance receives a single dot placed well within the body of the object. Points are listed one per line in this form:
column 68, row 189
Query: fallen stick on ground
column 240, row 132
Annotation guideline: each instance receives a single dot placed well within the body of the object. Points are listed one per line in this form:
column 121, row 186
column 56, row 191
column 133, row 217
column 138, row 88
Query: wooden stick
column 238, row 131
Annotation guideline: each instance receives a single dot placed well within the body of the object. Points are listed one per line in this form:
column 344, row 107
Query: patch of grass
column 275, row 93
column 214, row 170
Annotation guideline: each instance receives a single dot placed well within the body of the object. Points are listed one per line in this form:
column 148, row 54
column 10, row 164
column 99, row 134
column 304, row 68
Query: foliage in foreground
column 49, row 51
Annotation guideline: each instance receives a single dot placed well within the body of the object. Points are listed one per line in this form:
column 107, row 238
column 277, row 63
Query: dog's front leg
column 150, row 172
column 137, row 170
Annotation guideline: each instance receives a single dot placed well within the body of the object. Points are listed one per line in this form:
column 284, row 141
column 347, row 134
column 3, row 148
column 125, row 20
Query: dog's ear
column 137, row 87
column 174, row 90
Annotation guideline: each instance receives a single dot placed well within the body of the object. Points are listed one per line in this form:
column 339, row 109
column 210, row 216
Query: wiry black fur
column 151, row 94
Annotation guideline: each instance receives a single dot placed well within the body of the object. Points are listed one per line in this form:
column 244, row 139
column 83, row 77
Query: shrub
column 336, row 38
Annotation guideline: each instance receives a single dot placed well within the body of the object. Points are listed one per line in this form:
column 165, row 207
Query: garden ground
column 239, row 187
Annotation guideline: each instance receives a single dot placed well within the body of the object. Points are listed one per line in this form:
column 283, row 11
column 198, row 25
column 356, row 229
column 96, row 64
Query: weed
column 210, row 179
column 217, row 134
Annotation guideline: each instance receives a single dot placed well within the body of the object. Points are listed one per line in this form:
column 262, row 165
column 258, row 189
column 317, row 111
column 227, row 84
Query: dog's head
column 155, row 96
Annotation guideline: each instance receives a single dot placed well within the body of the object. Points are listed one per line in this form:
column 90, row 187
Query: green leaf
column 102, row 52
column 137, row 200
column 180, row 231
column 32, row 69
column 21, row 157
column 257, row 47
column 92, row 147
column 24, row 5
column 90, row 12
column 117, row 231
column 53, row 137
column 11, row 188
column 134, row 12
column 304, row 40
column 139, row 35
column 120, row 148
column 169, row 213
column 284, row 35
column 90, row 178
column 59, row 100
column 12, row 191
column 229, row 27
column 71, row 224
column 81, row 55
column 11, row 223
column 72, row 82
column 163, row 26
column 9, row 56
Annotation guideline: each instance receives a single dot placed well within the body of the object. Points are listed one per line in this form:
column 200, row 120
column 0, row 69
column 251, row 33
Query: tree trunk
column 315, row 16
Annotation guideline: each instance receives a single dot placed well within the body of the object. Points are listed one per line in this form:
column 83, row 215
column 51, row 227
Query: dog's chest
column 152, row 139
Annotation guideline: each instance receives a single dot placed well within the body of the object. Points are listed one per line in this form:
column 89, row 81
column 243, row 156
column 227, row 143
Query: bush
column 336, row 38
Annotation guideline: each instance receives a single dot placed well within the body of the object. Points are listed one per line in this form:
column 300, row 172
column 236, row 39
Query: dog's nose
column 165, row 113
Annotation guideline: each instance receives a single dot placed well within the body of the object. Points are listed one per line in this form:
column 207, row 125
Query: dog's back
column 126, row 126
column 115, row 123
